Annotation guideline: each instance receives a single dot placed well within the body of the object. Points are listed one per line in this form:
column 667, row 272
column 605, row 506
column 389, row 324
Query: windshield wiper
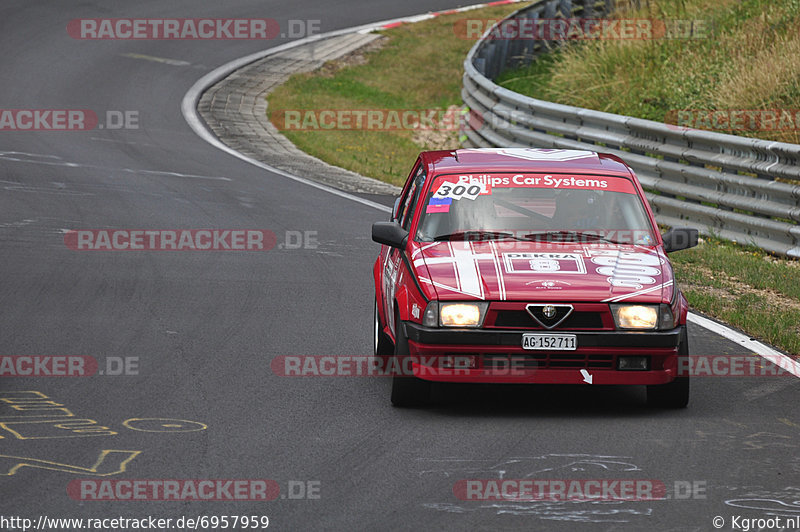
column 574, row 236
column 477, row 236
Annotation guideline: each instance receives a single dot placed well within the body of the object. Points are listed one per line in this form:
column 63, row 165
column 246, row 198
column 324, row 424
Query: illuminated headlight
column 635, row 316
column 643, row 317
column 462, row 314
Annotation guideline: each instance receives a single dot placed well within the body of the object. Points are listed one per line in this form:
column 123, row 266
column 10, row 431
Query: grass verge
column 418, row 66
column 746, row 57
column 415, row 66
column 745, row 287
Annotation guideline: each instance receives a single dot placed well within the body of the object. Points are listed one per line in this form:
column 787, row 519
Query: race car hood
column 543, row 271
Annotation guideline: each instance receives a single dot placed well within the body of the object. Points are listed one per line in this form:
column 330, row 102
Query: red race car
column 528, row 266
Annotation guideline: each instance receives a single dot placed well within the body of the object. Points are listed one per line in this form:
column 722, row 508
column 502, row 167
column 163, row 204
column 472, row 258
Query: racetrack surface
column 205, row 326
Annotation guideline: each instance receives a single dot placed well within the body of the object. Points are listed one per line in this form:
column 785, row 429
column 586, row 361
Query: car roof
column 477, row 160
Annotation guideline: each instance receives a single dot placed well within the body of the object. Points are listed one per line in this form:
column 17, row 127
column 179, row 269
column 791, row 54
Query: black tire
column 407, row 391
column 381, row 344
column 676, row 393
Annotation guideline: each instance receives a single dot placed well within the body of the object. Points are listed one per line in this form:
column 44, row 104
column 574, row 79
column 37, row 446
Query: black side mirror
column 679, row 238
column 389, row 234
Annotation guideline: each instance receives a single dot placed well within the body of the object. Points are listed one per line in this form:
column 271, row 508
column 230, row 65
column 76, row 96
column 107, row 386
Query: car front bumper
column 497, row 356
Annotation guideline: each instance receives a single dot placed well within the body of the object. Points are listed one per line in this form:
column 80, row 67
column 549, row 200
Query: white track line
column 189, row 110
column 779, row 359
column 192, row 97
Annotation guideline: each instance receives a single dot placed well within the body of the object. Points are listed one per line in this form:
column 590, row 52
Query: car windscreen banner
column 470, row 186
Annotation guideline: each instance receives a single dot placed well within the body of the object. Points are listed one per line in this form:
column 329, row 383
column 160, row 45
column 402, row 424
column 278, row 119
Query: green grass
column 749, row 60
column 745, row 287
column 420, row 67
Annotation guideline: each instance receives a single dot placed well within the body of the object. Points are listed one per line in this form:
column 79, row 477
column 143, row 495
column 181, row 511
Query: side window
column 401, row 203
column 413, row 197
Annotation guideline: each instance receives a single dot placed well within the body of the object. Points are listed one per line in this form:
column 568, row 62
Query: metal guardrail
column 739, row 188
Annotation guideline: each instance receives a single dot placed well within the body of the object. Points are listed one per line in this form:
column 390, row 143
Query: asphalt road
column 203, row 327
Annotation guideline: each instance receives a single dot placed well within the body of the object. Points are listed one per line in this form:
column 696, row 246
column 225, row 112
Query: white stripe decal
column 640, row 292
column 476, row 263
column 466, row 272
column 422, row 248
column 468, row 275
column 501, row 281
column 452, row 258
column 443, row 286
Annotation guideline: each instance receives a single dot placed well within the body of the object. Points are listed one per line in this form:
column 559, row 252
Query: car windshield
column 534, row 207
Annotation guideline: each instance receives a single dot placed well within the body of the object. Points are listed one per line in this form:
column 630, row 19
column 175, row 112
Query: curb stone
column 235, row 110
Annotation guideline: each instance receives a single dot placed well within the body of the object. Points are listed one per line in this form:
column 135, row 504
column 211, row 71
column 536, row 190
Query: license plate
column 549, row 342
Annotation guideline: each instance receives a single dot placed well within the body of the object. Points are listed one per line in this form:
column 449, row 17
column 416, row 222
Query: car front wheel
column 382, row 345
column 674, row 394
column 407, row 390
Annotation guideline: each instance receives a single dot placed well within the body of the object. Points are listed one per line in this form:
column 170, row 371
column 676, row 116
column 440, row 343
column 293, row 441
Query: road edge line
column 768, row 353
column 192, row 96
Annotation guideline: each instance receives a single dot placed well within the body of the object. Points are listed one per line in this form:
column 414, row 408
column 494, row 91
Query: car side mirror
column 679, row 238
column 389, row 234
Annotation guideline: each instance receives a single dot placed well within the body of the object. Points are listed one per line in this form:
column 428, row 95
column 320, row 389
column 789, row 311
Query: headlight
column 461, row 314
column 635, row 316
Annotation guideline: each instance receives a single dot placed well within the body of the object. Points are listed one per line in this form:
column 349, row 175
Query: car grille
column 523, row 320
column 547, row 361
